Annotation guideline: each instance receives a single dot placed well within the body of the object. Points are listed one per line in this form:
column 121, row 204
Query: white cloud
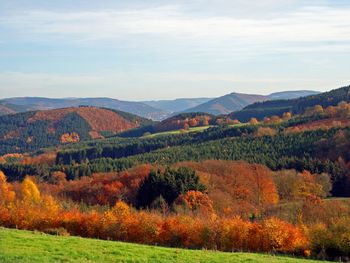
column 308, row 24
column 311, row 45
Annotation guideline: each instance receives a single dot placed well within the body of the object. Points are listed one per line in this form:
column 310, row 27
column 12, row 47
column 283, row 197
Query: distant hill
column 8, row 108
column 237, row 101
column 155, row 110
column 30, row 131
column 177, row 105
column 299, row 105
column 287, row 95
column 5, row 109
column 227, row 104
column 38, row 103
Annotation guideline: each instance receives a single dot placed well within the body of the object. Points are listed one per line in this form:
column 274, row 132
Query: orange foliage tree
column 35, row 210
column 253, row 121
column 236, row 188
column 6, row 193
column 193, row 122
column 196, row 201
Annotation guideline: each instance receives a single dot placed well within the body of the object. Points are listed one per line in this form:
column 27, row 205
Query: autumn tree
column 331, row 111
column 233, row 186
column 30, row 191
column 344, row 110
column 292, row 185
column 264, row 189
column 253, row 121
column 193, row 122
column 316, row 110
column 6, row 192
column 235, row 122
column 196, row 201
column 287, row 116
column 275, row 119
column 58, row 178
column 205, row 122
column 70, row 137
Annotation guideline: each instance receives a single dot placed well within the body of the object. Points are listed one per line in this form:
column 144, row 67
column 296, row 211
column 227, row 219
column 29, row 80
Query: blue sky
column 136, row 50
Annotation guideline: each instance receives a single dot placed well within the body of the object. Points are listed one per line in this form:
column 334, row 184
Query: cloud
column 307, row 24
column 167, row 51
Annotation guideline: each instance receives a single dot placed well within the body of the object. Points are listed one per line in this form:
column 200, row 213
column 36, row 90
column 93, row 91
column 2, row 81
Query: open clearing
column 26, row 246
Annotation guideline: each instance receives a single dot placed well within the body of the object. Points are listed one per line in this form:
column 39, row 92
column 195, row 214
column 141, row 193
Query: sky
column 150, row 49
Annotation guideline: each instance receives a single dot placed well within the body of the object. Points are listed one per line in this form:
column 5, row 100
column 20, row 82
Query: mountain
column 237, row 101
column 287, row 95
column 296, row 106
column 29, row 131
column 176, row 105
column 5, row 109
column 227, row 104
column 155, row 110
column 38, row 103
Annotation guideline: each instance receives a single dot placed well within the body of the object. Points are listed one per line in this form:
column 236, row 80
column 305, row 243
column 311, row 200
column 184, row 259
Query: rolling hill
column 298, row 105
column 38, row 103
column 4, row 109
column 155, row 110
column 177, row 105
column 288, row 95
column 237, row 101
column 226, row 104
column 30, row 131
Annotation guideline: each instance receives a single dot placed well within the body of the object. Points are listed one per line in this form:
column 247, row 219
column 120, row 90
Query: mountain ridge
column 42, row 103
column 236, row 101
column 153, row 109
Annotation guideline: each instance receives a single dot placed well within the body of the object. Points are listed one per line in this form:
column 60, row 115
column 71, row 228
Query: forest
column 278, row 184
column 261, row 110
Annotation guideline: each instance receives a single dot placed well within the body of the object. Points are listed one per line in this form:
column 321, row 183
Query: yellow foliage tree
column 121, row 209
column 30, row 191
column 70, row 137
column 287, row 116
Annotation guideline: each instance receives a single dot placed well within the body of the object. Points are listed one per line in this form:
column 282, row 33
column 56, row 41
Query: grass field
column 190, row 130
column 25, row 246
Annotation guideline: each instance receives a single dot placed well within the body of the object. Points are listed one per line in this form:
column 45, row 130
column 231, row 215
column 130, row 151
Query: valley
column 272, row 185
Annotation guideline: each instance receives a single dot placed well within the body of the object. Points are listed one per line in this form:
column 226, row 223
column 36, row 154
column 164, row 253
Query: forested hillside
column 226, row 104
column 237, row 101
column 296, row 106
column 31, row 131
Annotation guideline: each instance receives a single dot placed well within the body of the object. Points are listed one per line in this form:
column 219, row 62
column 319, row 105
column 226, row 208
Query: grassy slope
column 25, row 246
column 192, row 129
